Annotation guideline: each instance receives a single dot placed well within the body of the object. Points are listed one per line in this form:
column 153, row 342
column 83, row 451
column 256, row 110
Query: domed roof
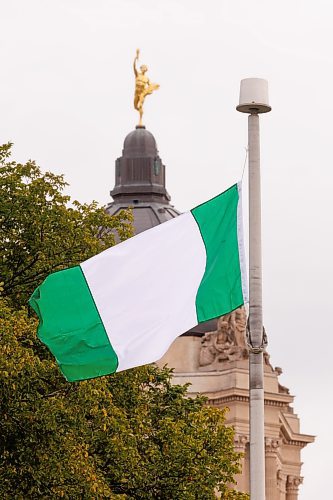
column 140, row 173
column 140, row 142
column 140, row 182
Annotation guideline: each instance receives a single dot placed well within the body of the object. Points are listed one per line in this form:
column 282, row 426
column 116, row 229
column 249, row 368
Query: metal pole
column 256, row 381
column 253, row 99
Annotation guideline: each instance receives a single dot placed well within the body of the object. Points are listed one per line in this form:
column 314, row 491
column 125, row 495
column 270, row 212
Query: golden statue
column 143, row 86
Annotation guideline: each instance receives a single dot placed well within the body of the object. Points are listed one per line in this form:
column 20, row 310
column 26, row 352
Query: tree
column 130, row 435
column 43, row 448
column 40, row 232
column 177, row 447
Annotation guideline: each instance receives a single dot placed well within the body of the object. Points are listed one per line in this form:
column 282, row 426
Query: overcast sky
column 66, row 101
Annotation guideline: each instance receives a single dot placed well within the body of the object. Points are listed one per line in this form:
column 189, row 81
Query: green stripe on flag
column 71, row 327
column 220, row 290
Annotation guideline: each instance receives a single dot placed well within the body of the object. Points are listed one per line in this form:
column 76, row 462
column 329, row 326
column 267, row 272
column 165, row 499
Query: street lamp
column 254, row 100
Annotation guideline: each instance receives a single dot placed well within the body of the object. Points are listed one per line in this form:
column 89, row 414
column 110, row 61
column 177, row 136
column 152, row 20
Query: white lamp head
column 253, row 96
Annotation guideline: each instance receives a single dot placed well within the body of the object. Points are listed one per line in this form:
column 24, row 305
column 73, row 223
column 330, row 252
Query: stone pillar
column 271, row 468
column 240, row 446
column 292, row 485
column 281, row 481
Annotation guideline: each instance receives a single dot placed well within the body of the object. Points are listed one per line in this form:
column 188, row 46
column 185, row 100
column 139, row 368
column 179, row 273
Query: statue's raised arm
column 143, row 87
column 134, row 62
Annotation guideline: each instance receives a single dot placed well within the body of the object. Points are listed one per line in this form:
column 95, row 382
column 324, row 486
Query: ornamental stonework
column 293, row 483
column 226, row 343
column 272, row 445
column 240, row 442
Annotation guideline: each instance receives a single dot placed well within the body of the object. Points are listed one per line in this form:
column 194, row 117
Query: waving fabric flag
column 123, row 307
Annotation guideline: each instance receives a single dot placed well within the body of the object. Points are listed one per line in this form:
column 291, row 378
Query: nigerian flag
column 123, row 307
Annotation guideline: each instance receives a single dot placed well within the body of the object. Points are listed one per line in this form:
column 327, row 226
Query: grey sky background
column 66, row 101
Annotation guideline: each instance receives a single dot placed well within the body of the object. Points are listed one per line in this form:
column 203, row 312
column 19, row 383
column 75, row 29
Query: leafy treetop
column 41, row 232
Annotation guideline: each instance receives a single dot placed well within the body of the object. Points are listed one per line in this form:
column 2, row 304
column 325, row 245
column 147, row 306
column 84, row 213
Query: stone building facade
column 216, row 365
column 213, row 356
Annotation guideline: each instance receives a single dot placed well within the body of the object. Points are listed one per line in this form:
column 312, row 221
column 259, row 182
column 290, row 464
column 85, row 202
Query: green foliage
column 43, row 451
column 40, row 233
column 180, row 448
column 130, row 435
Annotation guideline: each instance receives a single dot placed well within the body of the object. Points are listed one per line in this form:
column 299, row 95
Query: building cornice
column 229, row 395
column 293, row 438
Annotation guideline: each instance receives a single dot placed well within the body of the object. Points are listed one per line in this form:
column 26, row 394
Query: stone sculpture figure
column 143, row 86
column 227, row 343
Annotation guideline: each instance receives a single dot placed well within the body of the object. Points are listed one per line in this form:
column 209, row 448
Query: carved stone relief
column 240, row 441
column 293, row 483
column 227, row 343
column 271, row 445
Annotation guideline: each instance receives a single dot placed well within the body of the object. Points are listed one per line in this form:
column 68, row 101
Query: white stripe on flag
column 145, row 289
